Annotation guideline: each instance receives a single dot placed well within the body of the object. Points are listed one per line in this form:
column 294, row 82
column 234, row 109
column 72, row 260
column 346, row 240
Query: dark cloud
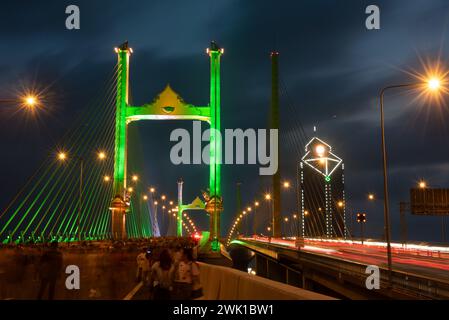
column 330, row 64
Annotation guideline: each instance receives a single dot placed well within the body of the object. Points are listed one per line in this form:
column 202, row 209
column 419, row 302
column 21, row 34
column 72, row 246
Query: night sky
column 331, row 65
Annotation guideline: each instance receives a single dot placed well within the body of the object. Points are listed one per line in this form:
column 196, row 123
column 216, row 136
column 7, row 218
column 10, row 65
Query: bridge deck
column 422, row 270
column 431, row 261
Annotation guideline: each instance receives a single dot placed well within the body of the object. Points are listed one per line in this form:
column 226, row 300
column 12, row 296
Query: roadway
column 423, row 260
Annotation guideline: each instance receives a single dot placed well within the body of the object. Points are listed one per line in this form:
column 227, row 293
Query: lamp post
column 62, row 156
column 432, row 84
column 255, row 220
column 268, row 198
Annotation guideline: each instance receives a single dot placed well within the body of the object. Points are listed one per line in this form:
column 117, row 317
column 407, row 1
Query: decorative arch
column 168, row 105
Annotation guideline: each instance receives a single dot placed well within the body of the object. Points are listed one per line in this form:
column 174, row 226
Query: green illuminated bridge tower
column 166, row 106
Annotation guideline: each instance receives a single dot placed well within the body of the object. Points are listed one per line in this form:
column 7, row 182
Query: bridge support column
column 306, row 284
column 120, row 202
column 276, row 182
column 215, row 205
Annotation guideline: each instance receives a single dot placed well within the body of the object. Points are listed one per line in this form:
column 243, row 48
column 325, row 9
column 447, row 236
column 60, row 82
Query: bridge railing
column 223, row 283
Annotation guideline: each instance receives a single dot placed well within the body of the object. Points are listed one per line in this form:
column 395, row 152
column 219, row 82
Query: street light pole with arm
column 433, row 84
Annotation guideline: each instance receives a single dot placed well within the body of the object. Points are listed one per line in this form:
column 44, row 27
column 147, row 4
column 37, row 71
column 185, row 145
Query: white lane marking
column 131, row 294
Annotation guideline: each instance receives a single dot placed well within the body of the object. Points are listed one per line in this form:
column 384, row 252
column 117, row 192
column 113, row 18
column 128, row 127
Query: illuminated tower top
column 319, row 157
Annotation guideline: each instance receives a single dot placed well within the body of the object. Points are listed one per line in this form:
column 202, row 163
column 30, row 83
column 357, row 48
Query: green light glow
column 215, row 245
column 215, row 143
column 179, row 222
column 120, row 123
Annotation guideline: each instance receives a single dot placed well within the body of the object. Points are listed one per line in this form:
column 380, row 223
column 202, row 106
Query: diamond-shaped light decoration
column 320, row 158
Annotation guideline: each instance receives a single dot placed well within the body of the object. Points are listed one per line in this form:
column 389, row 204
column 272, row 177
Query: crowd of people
column 166, row 266
column 170, row 271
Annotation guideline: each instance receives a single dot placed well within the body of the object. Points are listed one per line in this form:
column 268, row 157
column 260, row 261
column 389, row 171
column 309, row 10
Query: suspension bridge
column 84, row 193
column 88, row 191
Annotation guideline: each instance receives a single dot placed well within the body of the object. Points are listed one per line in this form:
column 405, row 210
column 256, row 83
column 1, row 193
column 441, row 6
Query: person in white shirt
column 143, row 266
column 187, row 280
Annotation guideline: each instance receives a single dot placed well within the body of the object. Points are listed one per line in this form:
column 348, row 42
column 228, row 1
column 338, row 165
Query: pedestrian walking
column 162, row 275
column 50, row 268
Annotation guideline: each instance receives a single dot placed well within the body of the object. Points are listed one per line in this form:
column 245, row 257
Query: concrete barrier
column 222, row 283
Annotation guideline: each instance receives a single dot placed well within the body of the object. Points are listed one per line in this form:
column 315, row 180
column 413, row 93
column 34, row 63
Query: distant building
column 322, row 192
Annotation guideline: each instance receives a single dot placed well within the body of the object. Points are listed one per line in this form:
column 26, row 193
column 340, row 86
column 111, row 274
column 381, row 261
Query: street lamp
column 432, row 84
column 101, row 155
column 371, row 197
column 152, row 190
column 255, row 220
column 422, row 184
column 62, row 156
column 29, row 100
column 268, row 198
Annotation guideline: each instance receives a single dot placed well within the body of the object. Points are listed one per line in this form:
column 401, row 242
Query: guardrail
column 222, row 283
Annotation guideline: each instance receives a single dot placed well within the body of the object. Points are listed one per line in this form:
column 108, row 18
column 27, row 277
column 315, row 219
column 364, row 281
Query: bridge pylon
column 120, row 203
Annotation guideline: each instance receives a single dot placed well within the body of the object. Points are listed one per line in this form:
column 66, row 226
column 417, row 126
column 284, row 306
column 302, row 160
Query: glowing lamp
column 433, row 84
column 101, row 155
column 62, row 156
column 319, row 150
column 30, row 101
